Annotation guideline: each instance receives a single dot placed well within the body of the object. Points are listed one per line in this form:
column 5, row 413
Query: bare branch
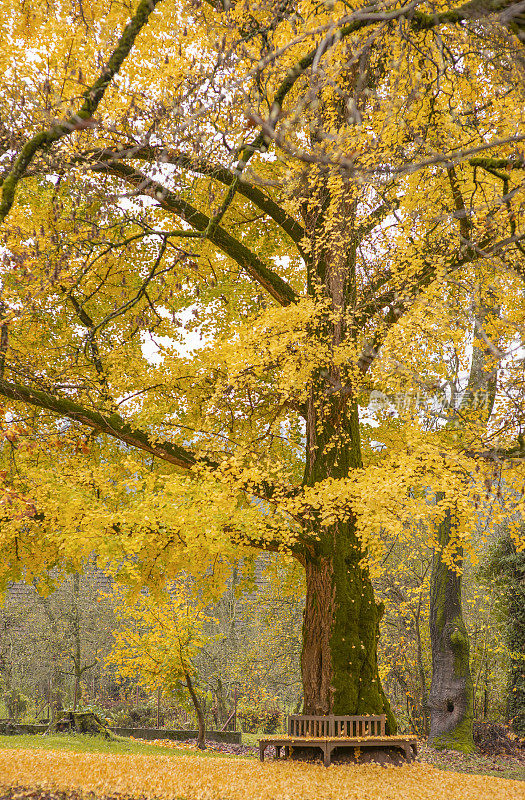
column 248, row 260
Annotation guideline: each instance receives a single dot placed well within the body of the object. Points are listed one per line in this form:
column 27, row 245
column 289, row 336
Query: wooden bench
column 328, row 733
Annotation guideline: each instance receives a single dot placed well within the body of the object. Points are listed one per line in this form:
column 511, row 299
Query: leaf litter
column 52, row 775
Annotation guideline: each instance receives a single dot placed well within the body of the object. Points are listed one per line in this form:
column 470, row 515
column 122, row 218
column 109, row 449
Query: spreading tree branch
column 398, row 306
column 111, row 424
column 248, row 260
column 219, row 173
column 497, row 163
column 83, row 118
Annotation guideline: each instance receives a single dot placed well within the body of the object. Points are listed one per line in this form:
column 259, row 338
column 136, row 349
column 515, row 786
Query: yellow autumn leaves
column 157, row 638
column 188, row 778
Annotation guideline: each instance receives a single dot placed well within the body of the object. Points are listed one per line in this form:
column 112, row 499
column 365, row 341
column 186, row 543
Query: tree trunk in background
column 159, row 695
column 221, row 704
column 516, row 639
column 77, row 644
column 509, row 564
column 201, row 737
column 424, row 727
column 451, row 693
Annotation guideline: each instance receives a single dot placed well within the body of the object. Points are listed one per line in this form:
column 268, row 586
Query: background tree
column 451, row 697
column 53, row 640
column 254, row 655
column 508, row 564
column 156, row 643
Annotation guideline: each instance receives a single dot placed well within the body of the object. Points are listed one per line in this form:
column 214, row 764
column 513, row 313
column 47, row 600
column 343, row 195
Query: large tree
column 285, row 181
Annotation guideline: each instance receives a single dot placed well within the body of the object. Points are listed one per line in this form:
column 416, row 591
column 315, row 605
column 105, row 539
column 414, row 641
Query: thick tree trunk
column 341, row 619
column 341, row 627
column 451, row 692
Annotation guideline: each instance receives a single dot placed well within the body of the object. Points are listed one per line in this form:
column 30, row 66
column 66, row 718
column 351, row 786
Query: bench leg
column 409, row 753
column 277, row 751
column 327, row 755
column 262, row 748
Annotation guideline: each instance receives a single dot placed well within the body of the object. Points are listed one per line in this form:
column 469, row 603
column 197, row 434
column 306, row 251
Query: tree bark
column 341, row 619
column 201, row 738
column 340, row 633
column 451, row 693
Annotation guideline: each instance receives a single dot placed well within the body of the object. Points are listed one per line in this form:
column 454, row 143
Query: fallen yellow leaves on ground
column 232, row 779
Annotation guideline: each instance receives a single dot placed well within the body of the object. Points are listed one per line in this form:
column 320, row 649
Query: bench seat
column 328, row 743
column 372, row 727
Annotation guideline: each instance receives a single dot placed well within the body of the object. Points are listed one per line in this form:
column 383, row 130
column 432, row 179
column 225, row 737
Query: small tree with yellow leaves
column 156, row 643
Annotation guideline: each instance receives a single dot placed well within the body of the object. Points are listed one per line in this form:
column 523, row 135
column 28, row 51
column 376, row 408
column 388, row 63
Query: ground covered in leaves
column 65, row 775
column 497, row 753
column 478, row 763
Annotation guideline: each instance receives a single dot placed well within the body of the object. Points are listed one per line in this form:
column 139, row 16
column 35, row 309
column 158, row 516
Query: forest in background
column 247, row 672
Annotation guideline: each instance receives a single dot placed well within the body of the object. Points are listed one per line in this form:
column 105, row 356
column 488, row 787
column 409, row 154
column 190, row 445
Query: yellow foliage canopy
column 157, row 638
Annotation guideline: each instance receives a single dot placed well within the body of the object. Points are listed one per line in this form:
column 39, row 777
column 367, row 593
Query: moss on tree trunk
column 451, row 692
column 341, row 620
column 79, row 722
column 340, row 631
column 508, row 563
column 341, row 628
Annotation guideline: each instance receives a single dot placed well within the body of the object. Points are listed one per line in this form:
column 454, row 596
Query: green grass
column 496, row 766
column 81, row 743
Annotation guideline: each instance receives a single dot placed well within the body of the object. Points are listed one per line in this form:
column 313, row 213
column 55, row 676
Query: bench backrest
column 333, row 725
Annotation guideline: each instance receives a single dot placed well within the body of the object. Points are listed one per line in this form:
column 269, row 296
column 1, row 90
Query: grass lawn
column 79, row 743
